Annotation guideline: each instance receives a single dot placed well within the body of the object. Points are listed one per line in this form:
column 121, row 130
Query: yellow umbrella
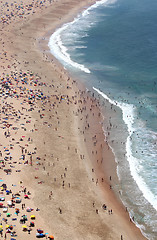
column 24, row 226
column 32, row 216
column 7, row 226
column 1, row 227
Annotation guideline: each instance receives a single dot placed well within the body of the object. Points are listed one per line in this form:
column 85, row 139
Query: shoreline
column 111, row 163
column 61, row 81
column 99, row 171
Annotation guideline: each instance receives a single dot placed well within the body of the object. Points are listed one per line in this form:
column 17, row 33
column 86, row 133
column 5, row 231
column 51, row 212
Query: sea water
column 112, row 48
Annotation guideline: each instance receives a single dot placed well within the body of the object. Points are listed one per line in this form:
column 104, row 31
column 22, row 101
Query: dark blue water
column 112, row 47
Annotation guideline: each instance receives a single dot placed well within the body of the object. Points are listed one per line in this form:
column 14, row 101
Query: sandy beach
column 58, row 173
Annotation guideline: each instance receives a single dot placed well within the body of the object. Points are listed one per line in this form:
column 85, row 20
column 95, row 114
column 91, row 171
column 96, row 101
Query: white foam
column 60, row 51
column 98, row 3
column 56, row 45
column 128, row 113
column 80, row 47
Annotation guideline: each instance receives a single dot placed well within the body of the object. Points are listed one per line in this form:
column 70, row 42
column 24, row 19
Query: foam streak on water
column 128, row 113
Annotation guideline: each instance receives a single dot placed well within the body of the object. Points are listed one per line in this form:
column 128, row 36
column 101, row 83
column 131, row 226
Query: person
column 104, row 206
column 17, row 211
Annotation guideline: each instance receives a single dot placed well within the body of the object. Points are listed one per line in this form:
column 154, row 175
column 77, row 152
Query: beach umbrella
column 32, row 224
column 7, row 191
column 8, row 214
column 26, row 196
column 51, row 237
column 11, row 227
column 24, row 227
column 7, row 226
column 1, row 227
column 32, row 216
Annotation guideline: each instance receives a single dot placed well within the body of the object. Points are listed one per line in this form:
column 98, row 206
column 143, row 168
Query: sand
column 56, row 152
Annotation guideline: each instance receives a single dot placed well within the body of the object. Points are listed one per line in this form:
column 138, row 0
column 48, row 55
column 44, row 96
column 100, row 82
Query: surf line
column 128, row 113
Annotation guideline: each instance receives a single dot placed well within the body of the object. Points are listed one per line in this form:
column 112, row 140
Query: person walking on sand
column 60, row 210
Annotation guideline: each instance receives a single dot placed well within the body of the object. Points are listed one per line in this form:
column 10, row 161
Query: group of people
column 19, row 96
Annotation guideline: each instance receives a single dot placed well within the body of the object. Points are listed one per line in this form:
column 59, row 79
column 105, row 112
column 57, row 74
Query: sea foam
column 60, row 51
column 128, row 114
column 57, row 47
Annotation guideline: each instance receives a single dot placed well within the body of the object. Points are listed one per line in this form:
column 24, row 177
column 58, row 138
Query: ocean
column 112, row 48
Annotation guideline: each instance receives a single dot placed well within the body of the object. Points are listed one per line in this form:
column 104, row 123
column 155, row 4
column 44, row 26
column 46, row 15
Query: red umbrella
column 26, row 196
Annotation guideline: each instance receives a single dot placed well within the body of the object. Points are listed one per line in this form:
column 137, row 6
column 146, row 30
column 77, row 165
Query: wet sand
column 58, row 144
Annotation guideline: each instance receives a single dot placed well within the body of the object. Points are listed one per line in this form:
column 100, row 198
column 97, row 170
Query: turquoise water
column 112, row 48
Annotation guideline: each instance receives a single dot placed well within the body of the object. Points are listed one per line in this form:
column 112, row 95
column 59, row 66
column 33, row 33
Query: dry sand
column 64, row 154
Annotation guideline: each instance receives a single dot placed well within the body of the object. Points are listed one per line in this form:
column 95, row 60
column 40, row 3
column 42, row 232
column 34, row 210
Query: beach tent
column 2, row 198
column 9, row 203
column 5, row 209
column 40, row 235
column 28, row 209
column 18, row 200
